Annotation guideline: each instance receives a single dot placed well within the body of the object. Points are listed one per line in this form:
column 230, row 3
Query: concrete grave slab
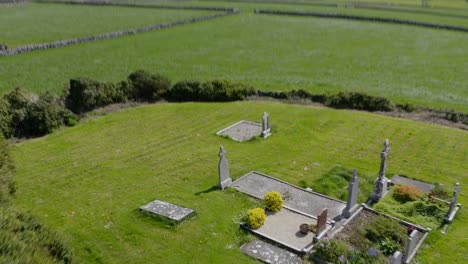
column 310, row 203
column 167, row 210
column 423, row 186
column 242, row 130
column 269, row 254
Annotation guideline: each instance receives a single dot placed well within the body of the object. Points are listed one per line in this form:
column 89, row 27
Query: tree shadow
column 211, row 189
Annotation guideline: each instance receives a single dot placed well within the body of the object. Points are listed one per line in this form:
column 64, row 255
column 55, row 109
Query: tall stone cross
column 266, row 125
column 353, row 190
column 381, row 184
column 223, row 170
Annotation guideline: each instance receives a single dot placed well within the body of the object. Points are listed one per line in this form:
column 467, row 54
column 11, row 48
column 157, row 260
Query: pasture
column 88, row 181
column 403, row 63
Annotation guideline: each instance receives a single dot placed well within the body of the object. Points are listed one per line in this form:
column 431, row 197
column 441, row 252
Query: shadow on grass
column 211, row 189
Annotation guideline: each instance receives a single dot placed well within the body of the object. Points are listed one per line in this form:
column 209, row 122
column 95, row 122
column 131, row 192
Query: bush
column 272, row 94
column 211, row 91
column 273, row 201
column 145, row 86
column 388, row 246
column 334, row 251
column 45, row 115
column 255, row 218
column 185, row 91
column 360, row 101
column 85, row 94
column 6, row 119
column 406, row 193
column 439, row 191
column 382, row 228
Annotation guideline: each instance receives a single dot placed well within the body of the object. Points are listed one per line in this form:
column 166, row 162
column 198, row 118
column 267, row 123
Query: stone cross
column 322, row 221
column 266, row 125
column 223, row 170
column 353, row 190
column 381, row 184
column 397, row 257
column 453, row 204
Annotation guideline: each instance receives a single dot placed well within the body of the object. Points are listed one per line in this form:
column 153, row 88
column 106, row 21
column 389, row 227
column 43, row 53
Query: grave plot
column 310, row 203
column 167, row 210
column 423, row 186
column 269, row 254
column 246, row 130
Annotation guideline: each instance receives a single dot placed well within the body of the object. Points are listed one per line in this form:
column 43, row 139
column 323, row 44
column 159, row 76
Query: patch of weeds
column 335, row 184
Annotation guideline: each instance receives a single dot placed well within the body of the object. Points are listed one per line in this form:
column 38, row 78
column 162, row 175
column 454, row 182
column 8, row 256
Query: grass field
column 39, row 23
column 87, row 181
column 406, row 64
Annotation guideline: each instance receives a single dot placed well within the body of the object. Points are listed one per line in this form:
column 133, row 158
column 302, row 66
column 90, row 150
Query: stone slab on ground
column 242, row 130
column 423, row 186
column 283, row 228
column 258, row 184
column 269, row 254
column 167, row 210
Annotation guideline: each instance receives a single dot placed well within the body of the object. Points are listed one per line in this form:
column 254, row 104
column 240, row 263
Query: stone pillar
column 397, row 257
column 322, row 222
column 381, row 183
column 266, row 125
column 411, row 245
column 223, row 170
column 353, row 190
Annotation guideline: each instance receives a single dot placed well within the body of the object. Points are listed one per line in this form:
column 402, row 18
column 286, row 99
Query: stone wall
column 115, row 34
column 363, row 18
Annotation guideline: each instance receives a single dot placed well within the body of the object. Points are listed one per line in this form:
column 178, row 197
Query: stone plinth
column 167, row 210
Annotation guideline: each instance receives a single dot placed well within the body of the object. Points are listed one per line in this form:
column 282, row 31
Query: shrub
column 272, row 94
column 85, row 94
column 382, row 228
column 185, row 91
column 145, row 86
column 360, row 101
column 406, row 193
column 255, row 218
column 407, row 107
column 223, row 91
column 334, row 251
column 45, row 115
column 5, row 119
column 273, row 201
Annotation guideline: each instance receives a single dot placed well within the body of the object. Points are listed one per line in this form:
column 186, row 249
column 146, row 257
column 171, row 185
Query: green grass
column 87, row 181
column 40, row 23
column 405, row 64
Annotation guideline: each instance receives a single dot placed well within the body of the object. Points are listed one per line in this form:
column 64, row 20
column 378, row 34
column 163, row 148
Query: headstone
column 353, row 190
column 397, row 257
column 223, row 170
column 411, row 245
column 453, row 204
column 266, row 125
column 322, row 221
column 381, row 184
column 167, row 210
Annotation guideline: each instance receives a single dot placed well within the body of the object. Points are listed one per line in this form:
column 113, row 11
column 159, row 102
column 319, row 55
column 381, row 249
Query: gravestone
column 223, row 170
column 167, row 210
column 411, row 244
column 397, row 257
column 266, row 125
column 381, row 183
column 353, row 190
column 453, row 205
column 322, row 221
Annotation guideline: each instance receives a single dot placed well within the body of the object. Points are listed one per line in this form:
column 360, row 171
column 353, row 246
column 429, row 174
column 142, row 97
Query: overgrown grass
column 335, row 184
column 39, row 23
column 88, row 181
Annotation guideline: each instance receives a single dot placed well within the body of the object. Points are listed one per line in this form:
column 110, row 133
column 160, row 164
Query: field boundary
column 102, row 3
column 113, row 34
column 362, row 18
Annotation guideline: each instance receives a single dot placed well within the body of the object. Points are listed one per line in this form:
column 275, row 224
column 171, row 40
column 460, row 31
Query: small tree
column 255, row 218
column 406, row 193
column 273, row 201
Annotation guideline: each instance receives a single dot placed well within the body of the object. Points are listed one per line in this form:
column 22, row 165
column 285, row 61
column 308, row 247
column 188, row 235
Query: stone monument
column 397, row 257
column 223, row 170
column 353, row 190
column 453, row 205
column 322, row 222
column 381, row 184
column 266, row 132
